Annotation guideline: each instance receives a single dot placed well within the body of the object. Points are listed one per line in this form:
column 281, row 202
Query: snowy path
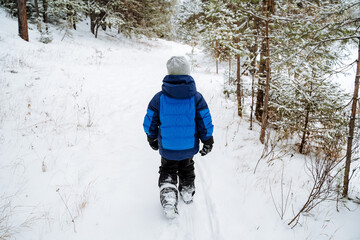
column 72, row 121
column 197, row 220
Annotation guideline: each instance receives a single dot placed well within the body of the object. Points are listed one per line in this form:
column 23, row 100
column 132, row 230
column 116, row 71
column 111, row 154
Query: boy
column 177, row 117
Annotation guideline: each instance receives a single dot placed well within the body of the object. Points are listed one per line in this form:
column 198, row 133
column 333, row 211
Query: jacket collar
column 179, row 86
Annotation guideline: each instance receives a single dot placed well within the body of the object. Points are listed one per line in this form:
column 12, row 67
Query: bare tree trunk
column 305, row 131
column 238, row 85
column 260, row 90
column 97, row 30
column 217, row 55
column 229, row 70
column 217, row 66
column 262, row 75
column 303, row 139
column 254, row 49
column 97, row 21
column 37, row 15
column 45, row 16
column 351, row 126
column 71, row 17
column 74, row 19
column 252, row 99
column 22, row 20
column 267, row 87
column 92, row 22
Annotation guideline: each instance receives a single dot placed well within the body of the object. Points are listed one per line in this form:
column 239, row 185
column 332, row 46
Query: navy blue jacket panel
column 152, row 121
column 178, row 116
column 179, row 86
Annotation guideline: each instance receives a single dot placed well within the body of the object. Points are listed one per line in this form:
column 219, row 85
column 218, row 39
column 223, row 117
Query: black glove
column 153, row 143
column 208, row 145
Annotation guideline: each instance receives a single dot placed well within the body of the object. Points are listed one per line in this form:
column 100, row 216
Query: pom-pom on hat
column 178, row 65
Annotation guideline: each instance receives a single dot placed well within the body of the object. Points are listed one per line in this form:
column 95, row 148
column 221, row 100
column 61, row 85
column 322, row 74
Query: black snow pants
column 171, row 169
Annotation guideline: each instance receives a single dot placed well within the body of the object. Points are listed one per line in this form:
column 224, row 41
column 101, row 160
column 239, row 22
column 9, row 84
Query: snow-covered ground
column 75, row 163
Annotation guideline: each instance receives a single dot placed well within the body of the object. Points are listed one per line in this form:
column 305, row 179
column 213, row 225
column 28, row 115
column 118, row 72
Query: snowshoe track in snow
column 196, row 221
column 210, row 206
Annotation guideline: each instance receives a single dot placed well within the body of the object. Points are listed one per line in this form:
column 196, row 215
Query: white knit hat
column 178, row 65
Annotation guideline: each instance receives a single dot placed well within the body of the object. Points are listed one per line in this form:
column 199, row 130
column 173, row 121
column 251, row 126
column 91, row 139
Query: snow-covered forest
column 281, row 80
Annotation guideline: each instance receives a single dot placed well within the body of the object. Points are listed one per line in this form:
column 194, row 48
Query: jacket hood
column 179, row 86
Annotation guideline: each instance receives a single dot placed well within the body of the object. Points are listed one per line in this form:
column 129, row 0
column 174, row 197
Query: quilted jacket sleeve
column 152, row 121
column 203, row 118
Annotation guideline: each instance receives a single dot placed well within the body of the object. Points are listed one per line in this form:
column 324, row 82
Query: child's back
column 177, row 117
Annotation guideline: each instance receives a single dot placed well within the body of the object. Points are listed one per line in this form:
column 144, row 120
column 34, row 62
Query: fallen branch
column 72, row 218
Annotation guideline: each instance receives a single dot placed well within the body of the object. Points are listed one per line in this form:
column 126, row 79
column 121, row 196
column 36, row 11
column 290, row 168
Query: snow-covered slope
column 75, row 163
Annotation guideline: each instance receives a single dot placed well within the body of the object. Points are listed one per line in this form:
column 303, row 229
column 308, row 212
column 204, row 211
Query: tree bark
column 38, row 22
column 229, row 70
column 96, row 30
column 92, row 22
column 74, row 20
column 303, row 139
column 45, row 16
column 259, row 99
column 238, row 85
column 352, row 126
column 22, row 20
column 97, row 20
column 267, row 87
column 71, row 17
column 217, row 65
column 254, row 50
column 252, row 99
column 217, row 57
column 262, row 75
column 307, row 117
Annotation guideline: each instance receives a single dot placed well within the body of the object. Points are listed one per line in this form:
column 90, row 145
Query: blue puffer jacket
column 178, row 117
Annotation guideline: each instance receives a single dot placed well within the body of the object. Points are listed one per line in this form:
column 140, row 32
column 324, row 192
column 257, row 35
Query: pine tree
column 187, row 22
column 299, row 60
column 131, row 17
column 304, row 67
column 11, row 6
column 67, row 12
column 221, row 26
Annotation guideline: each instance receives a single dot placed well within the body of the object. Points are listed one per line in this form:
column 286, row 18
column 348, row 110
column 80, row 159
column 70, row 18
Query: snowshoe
column 187, row 193
column 170, row 211
column 169, row 200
